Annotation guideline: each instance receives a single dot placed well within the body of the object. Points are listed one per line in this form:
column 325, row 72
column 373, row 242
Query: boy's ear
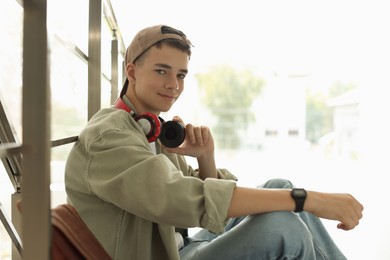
column 130, row 72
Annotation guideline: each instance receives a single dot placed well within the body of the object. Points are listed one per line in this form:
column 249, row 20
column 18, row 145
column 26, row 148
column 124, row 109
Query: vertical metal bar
column 94, row 57
column 114, row 69
column 36, row 133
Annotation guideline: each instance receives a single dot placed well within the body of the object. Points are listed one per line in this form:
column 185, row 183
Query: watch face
column 299, row 193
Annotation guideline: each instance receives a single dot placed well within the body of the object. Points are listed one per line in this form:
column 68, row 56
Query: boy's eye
column 160, row 71
column 181, row 76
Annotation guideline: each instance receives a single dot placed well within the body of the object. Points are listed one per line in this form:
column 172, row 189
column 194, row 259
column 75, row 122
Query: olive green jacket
column 131, row 198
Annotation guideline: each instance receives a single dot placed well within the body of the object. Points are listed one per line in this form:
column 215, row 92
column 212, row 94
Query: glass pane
column 11, row 26
column 11, row 20
column 69, row 20
column 57, row 186
column 106, row 50
column 106, row 93
column 68, row 30
column 69, row 90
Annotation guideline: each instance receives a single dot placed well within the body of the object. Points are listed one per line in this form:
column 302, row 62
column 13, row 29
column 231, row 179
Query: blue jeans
column 268, row 236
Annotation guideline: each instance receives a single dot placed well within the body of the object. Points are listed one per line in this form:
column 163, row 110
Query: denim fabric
column 276, row 235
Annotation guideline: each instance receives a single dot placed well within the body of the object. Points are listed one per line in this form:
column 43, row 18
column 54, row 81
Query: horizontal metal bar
column 72, row 48
column 66, row 140
column 9, row 149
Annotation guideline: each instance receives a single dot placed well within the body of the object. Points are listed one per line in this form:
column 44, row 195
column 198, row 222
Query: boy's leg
column 324, row 246
column 263, row 236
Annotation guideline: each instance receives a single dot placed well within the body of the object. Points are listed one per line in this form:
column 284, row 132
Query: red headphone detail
column 149, row 122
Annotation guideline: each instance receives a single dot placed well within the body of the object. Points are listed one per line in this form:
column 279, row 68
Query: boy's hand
column 335, row 206
column 198, row 142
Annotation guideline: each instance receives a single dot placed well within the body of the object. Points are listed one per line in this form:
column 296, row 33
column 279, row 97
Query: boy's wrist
column 207, row 166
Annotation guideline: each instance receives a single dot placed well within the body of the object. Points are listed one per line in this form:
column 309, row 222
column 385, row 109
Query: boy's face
column 157, row 81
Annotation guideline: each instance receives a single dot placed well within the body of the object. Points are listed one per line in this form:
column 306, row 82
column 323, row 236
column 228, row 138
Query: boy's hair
column 184, row 47
column 154, row 36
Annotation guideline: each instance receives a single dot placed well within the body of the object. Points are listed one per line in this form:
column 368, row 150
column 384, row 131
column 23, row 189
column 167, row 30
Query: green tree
column 229, row 94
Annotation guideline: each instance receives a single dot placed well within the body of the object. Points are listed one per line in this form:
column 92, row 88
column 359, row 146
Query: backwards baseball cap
column 148, row 37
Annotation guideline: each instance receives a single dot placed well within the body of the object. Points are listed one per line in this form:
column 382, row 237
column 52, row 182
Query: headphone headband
column 121, row 105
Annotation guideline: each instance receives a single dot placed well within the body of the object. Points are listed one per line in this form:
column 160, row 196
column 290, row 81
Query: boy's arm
column 207, row 167
column 334, row 206
column 199, row 143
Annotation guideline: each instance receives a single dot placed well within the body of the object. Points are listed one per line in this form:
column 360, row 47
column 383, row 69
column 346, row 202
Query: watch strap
column 299, row 196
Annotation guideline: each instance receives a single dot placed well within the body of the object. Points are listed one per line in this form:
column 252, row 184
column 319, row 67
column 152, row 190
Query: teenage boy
column 137, row 194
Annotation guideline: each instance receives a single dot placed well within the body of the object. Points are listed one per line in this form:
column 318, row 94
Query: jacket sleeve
column 123, row 171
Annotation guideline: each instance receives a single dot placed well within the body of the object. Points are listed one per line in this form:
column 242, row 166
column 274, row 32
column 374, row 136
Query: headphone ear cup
column 150, row 124
column 172, row 134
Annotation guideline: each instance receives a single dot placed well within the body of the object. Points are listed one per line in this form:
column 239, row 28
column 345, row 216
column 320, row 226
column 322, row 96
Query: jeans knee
column 277, row 183
column 291, row 235
column 297, row 233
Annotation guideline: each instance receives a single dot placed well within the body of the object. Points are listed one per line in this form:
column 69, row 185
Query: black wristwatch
column 299, row 195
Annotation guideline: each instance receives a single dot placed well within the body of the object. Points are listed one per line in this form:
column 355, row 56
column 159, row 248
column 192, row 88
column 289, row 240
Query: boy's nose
column 172, row 84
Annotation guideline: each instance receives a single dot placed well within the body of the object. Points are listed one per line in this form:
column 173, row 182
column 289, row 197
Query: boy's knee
column 290, row 235
column 299, row 242
column 277, row 184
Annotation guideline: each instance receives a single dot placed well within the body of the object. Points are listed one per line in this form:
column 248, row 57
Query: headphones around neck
column 170, row 133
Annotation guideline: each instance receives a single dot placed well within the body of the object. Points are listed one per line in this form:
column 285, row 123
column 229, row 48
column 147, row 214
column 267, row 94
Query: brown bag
column 71, row 238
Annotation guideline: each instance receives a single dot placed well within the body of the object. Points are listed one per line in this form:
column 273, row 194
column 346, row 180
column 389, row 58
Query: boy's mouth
column 167, row 97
